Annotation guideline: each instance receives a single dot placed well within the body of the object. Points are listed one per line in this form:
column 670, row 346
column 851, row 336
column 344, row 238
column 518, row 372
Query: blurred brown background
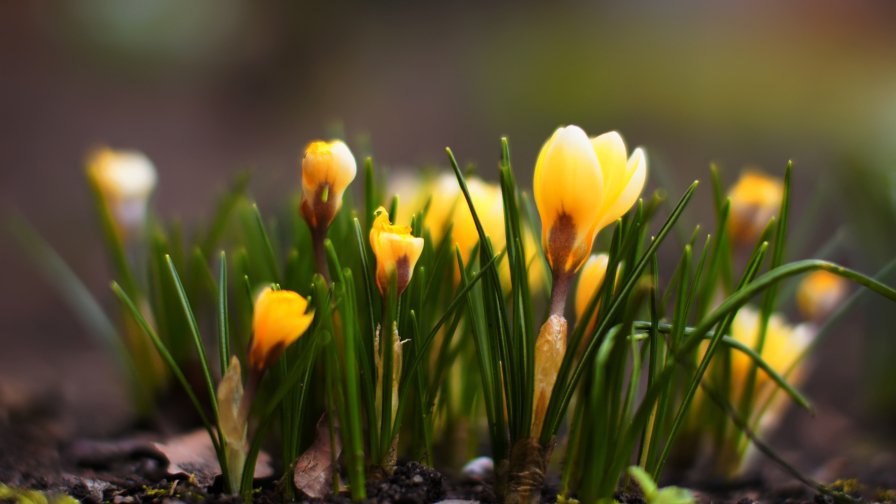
column 207, row 88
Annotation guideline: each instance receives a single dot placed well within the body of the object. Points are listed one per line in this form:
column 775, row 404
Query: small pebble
column 479, row 468
column 417, row 479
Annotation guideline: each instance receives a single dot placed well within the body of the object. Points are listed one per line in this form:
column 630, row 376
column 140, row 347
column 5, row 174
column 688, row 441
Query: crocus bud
column 581, row 185
column 125, row 180
column 550, row 347
column 396, row 252
column 327, row 170
column 233, row 421
column 755, row 199
column 591, row 278
column 279, row 319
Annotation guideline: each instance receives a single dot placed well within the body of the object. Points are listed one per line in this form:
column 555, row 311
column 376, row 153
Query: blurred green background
column 207, row 88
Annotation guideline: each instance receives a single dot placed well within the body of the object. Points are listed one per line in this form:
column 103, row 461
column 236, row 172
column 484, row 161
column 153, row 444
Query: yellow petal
column 611, row 153
column 623, row 179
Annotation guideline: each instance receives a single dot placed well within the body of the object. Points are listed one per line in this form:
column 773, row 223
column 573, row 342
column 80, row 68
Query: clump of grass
column 432, row 319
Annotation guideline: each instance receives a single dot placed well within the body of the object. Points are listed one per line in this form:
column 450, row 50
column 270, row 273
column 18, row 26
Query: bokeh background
column 208, row 88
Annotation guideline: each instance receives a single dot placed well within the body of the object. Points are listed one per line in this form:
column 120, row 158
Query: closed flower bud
column 819, row 294
column 396, row 252
column 124, row 180
column 591, row 278
column 327, row 170
column 279, row 319
column 581, row 185
column 233, row 412
column 755, row 199
column 550, row 347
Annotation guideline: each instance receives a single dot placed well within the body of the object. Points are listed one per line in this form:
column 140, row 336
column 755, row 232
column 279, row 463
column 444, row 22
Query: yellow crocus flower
column 783, row 347
column 591, row 278
column 819, row 293
column 448, row 210
column 327, row 170
column 581, row 185
column 489, row 207
column 396, row 252
column 755, row 199
column 124, row 180
column 279, row 319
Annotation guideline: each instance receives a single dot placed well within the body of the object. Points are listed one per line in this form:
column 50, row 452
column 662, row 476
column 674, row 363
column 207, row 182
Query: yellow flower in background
column 396, row 252
column 448, row 211
column 783, row 350
column 327, row 170
column 125, row 180
column 755, row 199
column 591, row 278
column 278, row 320
column 819, row 293
column 784, row 346
column 581, row 185
column 489, row 207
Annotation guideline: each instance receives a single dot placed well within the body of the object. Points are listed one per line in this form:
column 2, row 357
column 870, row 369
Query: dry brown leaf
column 193, row 453
column 313, row 474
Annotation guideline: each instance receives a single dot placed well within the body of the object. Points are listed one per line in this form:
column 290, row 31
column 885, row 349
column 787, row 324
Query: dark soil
column 41, row 448
column 35, row 455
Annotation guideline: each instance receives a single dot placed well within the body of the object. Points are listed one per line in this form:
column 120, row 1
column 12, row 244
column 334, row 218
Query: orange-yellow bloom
column 327, row 170
column 125, row 180
column 581, row 185
column 819, row 293
column 278, row 321
column 755, row 199
column 396, row 252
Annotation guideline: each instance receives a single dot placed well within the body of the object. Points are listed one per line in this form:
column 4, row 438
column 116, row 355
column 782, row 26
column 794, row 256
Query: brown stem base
column 523, row 474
